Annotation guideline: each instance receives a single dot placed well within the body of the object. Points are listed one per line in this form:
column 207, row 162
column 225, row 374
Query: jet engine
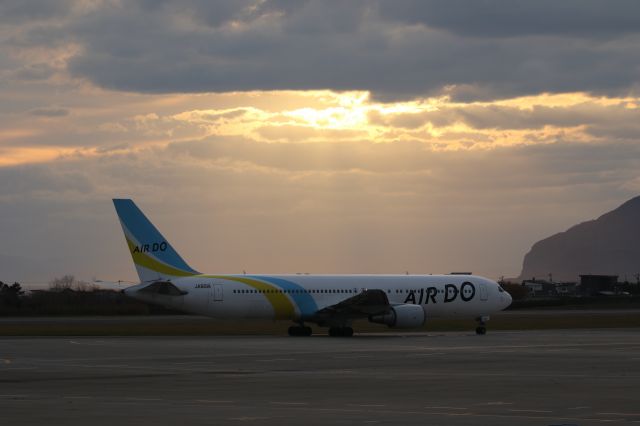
column 401, row 316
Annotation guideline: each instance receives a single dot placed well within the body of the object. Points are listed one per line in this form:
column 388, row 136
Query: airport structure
column 594, row 285
column 589, row 285
column 545, row 288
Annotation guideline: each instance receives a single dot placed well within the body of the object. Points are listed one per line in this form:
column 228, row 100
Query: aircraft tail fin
column 153, row 256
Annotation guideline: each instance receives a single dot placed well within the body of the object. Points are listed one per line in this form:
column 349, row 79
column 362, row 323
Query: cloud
column 346, row 197
column 32, row 10
column 516, row 18
column 34, row 72
column 469, row 50
column 50, row 112
column 528, row 122
column 32, row 179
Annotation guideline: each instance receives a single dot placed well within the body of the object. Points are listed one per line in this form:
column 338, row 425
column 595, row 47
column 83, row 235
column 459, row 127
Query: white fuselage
column 298, row 297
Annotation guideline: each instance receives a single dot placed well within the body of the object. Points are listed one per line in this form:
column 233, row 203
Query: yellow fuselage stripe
column 282, row 306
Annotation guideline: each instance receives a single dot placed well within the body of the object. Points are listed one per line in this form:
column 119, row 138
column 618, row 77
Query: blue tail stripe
column 304, row 300
column 145, row 233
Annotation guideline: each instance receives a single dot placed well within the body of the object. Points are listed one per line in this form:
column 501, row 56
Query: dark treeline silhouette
column 68, row 296
column 11, row 295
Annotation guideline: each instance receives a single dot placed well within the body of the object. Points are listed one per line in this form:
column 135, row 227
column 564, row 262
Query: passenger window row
column 293, row 291
column 323, row 291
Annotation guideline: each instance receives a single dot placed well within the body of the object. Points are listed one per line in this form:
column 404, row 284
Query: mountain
column 609, row 245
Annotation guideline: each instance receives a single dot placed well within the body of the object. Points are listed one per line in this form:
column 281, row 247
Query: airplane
column 333, row 301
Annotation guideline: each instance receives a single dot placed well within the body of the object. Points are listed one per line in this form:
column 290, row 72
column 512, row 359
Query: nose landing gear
column 481, row 329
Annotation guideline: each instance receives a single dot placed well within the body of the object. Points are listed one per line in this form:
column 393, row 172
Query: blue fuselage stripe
column 302, row 299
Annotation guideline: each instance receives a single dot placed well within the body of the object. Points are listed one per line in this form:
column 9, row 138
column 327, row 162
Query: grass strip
column 202, row 327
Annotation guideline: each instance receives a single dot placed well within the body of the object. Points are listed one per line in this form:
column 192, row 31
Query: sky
column 276, row 136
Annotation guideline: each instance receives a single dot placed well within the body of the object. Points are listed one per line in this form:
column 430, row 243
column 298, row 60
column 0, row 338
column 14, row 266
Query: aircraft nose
column 508, row 300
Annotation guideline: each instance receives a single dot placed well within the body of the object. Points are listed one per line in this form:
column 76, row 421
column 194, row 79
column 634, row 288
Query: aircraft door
column 217, row 293
column 484, row 294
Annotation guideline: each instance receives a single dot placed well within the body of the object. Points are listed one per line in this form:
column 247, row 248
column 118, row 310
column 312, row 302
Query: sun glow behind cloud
column 135, row 122
column 437, row 122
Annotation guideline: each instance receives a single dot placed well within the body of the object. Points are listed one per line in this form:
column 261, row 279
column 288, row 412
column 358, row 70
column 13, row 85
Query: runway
column 583, row 377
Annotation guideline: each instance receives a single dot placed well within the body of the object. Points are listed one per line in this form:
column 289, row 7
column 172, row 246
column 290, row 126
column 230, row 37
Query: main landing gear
column 481, row 329
column 299, row 330
column 340, row 331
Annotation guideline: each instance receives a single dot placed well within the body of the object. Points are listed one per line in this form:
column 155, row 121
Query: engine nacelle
column 402, row 316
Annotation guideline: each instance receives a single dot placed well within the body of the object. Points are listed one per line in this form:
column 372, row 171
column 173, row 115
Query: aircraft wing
column 369, row 302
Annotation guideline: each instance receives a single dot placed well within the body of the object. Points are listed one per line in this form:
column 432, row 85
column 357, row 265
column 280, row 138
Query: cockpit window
column 500, row 289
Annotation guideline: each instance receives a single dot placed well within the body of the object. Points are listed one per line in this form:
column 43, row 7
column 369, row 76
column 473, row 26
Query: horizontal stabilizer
column 163, row 287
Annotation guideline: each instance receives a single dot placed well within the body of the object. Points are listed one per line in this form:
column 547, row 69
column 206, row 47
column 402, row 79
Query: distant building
column 595, row 285
column 544, row 288
column 566, row 289
column 540, row 288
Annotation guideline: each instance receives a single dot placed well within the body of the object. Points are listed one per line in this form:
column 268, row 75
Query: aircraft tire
column 481, row 331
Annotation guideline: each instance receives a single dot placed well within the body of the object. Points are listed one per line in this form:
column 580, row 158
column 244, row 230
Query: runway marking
column 420, row 355
column 515, row 374
column 144, row 399
column 336, row 371
column 445, row 408
column 90, row 343
column 194, row 363
column 18, row 368
column 247, row 419
column 619, row 414
column 439, row 413
column 352, row 356
column 544, row 346
column 114, row 366
column 288, row 403
column 276, row 359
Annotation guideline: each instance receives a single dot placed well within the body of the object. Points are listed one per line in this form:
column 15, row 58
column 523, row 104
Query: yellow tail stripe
column 282, row 306
column 148, row 262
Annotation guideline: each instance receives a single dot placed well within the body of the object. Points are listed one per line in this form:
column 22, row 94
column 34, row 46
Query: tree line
column 68, row 296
